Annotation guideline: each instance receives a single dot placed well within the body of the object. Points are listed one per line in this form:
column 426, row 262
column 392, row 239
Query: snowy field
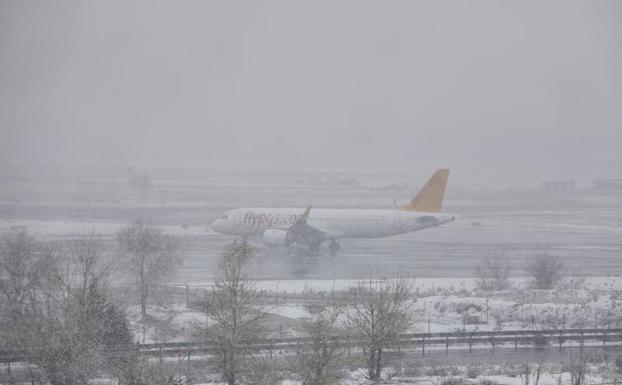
column 442, row 305
column 500, row 375
column 509, row 217
column 439, row 305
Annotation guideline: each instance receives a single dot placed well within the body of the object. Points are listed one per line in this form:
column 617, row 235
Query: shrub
column 493, row 274
column 546, row 271
column 474, row 371
column 454, row 381
column 487, row 381
column 540, row 342
column 577, row 368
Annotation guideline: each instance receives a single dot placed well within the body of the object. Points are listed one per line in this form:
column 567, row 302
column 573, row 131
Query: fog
column 532, row 88
column 310, row 192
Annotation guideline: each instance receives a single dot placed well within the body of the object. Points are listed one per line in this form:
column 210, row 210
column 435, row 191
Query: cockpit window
column 224, row 217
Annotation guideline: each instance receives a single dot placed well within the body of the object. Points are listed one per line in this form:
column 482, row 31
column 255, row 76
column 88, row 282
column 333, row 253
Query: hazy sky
column 534, row 86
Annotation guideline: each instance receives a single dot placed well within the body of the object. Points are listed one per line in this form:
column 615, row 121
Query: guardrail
column 537, row 339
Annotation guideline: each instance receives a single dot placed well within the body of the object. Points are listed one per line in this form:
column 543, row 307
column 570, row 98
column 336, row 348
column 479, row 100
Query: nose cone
column 218, row 225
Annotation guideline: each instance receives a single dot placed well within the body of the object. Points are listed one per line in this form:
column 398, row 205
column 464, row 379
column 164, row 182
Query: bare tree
column 577, row 367
column 377, row 314
column 21, row 279
column 22, row 287
column 261, row 370
column 546, row 271
column 59, row 306
column 88, row 259
column 493, row 273
column 236, row 312
column 132, row 368
column 320, row 361
column 530, row 375
column 80, row 319
column 140, row 182
column 88, row 286
column 151, row 258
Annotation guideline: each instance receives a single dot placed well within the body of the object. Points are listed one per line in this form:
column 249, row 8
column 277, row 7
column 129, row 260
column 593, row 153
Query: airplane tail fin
column 430, row 197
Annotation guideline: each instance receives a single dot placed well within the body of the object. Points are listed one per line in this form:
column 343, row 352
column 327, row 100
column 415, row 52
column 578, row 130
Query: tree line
column 493, row 273
column 372, row 314
column 64, row 304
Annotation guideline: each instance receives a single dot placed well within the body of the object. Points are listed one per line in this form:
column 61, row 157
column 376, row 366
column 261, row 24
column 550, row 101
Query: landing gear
column 333, row 247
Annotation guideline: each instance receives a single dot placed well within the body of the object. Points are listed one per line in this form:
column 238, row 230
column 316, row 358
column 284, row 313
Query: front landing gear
column 333, row 247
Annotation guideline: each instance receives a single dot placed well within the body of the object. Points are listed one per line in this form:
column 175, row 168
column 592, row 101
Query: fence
column 535, row 339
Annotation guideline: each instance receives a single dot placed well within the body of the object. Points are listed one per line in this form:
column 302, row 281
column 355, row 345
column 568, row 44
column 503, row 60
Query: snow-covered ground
column 509, row 374
column 439, row 305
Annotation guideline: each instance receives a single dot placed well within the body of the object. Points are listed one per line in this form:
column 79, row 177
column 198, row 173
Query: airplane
column 279, row 227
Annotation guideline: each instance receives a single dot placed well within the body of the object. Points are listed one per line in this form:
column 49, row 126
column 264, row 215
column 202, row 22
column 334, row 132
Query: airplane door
column 397, row 221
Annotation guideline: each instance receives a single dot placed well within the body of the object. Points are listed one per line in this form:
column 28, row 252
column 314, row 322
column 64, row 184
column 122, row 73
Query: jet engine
column 275, row 238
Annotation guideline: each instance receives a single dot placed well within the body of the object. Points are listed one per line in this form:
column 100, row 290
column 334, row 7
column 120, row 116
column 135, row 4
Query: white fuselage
column 336, row 223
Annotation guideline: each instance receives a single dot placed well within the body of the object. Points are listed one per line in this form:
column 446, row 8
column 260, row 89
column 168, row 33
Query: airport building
column 559, row 185
column 607, row 184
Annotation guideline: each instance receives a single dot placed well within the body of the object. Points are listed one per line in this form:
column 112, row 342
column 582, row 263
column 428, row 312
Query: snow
column 68, row 228
column 439, row 305
column 546, row 378
column 182, row 320
column 421, row 285
column 291, row 311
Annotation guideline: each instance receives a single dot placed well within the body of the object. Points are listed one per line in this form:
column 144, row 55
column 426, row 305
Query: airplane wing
column 304, row 234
